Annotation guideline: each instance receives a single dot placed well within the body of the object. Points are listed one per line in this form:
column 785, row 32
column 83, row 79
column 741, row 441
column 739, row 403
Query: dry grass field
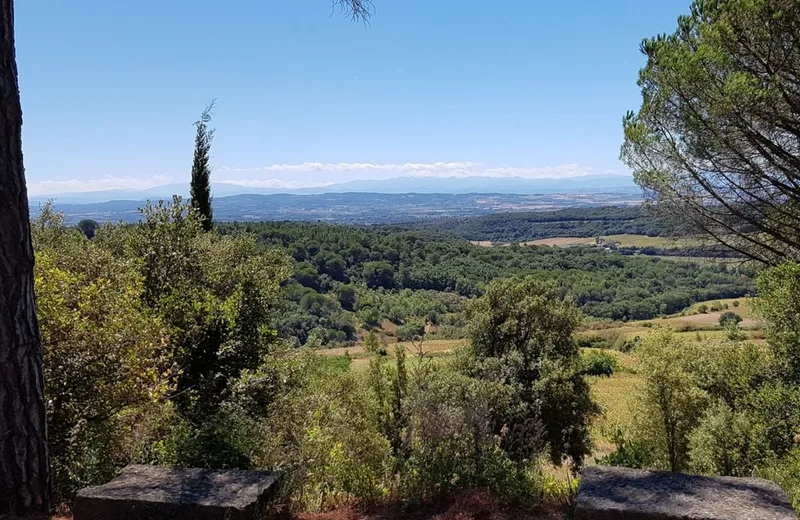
column 693, row 318
column 646, row 241
column 562, row 242
column 624, row 240
column 616, row 396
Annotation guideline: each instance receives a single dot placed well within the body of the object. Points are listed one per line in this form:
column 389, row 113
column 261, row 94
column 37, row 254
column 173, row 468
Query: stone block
column 610, row 493
column 163, row 493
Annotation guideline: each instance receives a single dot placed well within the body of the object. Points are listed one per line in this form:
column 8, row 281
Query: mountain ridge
column 394, row 185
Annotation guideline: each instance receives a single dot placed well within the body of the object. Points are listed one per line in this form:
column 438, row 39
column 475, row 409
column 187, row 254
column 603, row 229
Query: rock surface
column 609, row 493
column 155, row 492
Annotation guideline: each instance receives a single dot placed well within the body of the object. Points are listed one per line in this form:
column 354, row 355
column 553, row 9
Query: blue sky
column 305, row 97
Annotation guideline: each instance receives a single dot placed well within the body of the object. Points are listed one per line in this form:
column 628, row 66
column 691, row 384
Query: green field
column 646, row 241
column 623, row 240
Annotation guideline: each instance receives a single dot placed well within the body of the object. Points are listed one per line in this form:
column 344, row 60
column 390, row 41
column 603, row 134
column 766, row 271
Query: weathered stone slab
column 609, row 493
column 157, row 492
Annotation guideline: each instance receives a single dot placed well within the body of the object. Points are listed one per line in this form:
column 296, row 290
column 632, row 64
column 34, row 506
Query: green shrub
column 785, row 471
column 324, row 433
column 410, row 331
column 776, row 406
column 672, row 400
column 726, row 443
column 778, row 303
column 627, row 345
column 593, row 341
column 372, row 344
column 729, row 318
column 105, row 356
column 450, row 443
column 599, row 364
column 521, row 332
column 629, row 452
column 139, row 313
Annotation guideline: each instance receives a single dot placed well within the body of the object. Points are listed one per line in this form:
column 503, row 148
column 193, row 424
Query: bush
column 726, row 443
column 729, row 318
column 778, row 303
column 372, row 344
column 785, row 471
column 521, row 332
column 323, row 431
column 593, row 341
column 450, row 444
column 672, row 400
column 105, row 357
column 629, row 452
column 627, row 345
column 599, row 364
column 410, row 331
column 139, row 313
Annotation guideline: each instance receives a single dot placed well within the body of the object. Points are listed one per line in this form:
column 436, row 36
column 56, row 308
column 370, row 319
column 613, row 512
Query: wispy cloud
column 310, row 167
column 306, row 172
column 105, row 183
column 276, row 183
column 563, row 171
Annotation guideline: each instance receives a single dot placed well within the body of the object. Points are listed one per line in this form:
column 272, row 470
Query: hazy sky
column 516, row 88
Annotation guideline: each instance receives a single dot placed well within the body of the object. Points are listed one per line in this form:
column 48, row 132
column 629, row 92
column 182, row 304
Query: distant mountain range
column 353, row 207
column 588, row 184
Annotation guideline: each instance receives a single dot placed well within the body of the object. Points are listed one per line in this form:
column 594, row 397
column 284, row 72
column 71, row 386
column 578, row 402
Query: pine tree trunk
column 24, row 470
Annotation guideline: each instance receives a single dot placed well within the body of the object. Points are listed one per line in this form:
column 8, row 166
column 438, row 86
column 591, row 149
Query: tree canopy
column 201, row 168
column 715, row 141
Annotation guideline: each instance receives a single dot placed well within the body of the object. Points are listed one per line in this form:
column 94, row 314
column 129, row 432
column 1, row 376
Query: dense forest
column 569, row 222
column 345, row 277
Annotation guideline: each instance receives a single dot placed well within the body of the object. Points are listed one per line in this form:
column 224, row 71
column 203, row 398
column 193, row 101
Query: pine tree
column 24, row 467
column 201, row 169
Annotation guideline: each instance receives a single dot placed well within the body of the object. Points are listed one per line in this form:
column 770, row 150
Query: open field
column 616, row 396
column 624, row 240
column 646, row 241
column 628, row 241
column 562, row 242
column 693, row 318
column 702, row 260
column 702, row 321
column 745, row 307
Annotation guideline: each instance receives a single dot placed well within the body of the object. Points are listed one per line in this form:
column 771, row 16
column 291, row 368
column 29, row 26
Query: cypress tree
column 201, row 169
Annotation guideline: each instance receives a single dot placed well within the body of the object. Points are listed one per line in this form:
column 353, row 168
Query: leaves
column 143, row 320
column 714, row 143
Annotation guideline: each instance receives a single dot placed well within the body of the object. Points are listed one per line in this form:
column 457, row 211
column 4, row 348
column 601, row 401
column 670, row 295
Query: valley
column 461, row 263
column 361, row 208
